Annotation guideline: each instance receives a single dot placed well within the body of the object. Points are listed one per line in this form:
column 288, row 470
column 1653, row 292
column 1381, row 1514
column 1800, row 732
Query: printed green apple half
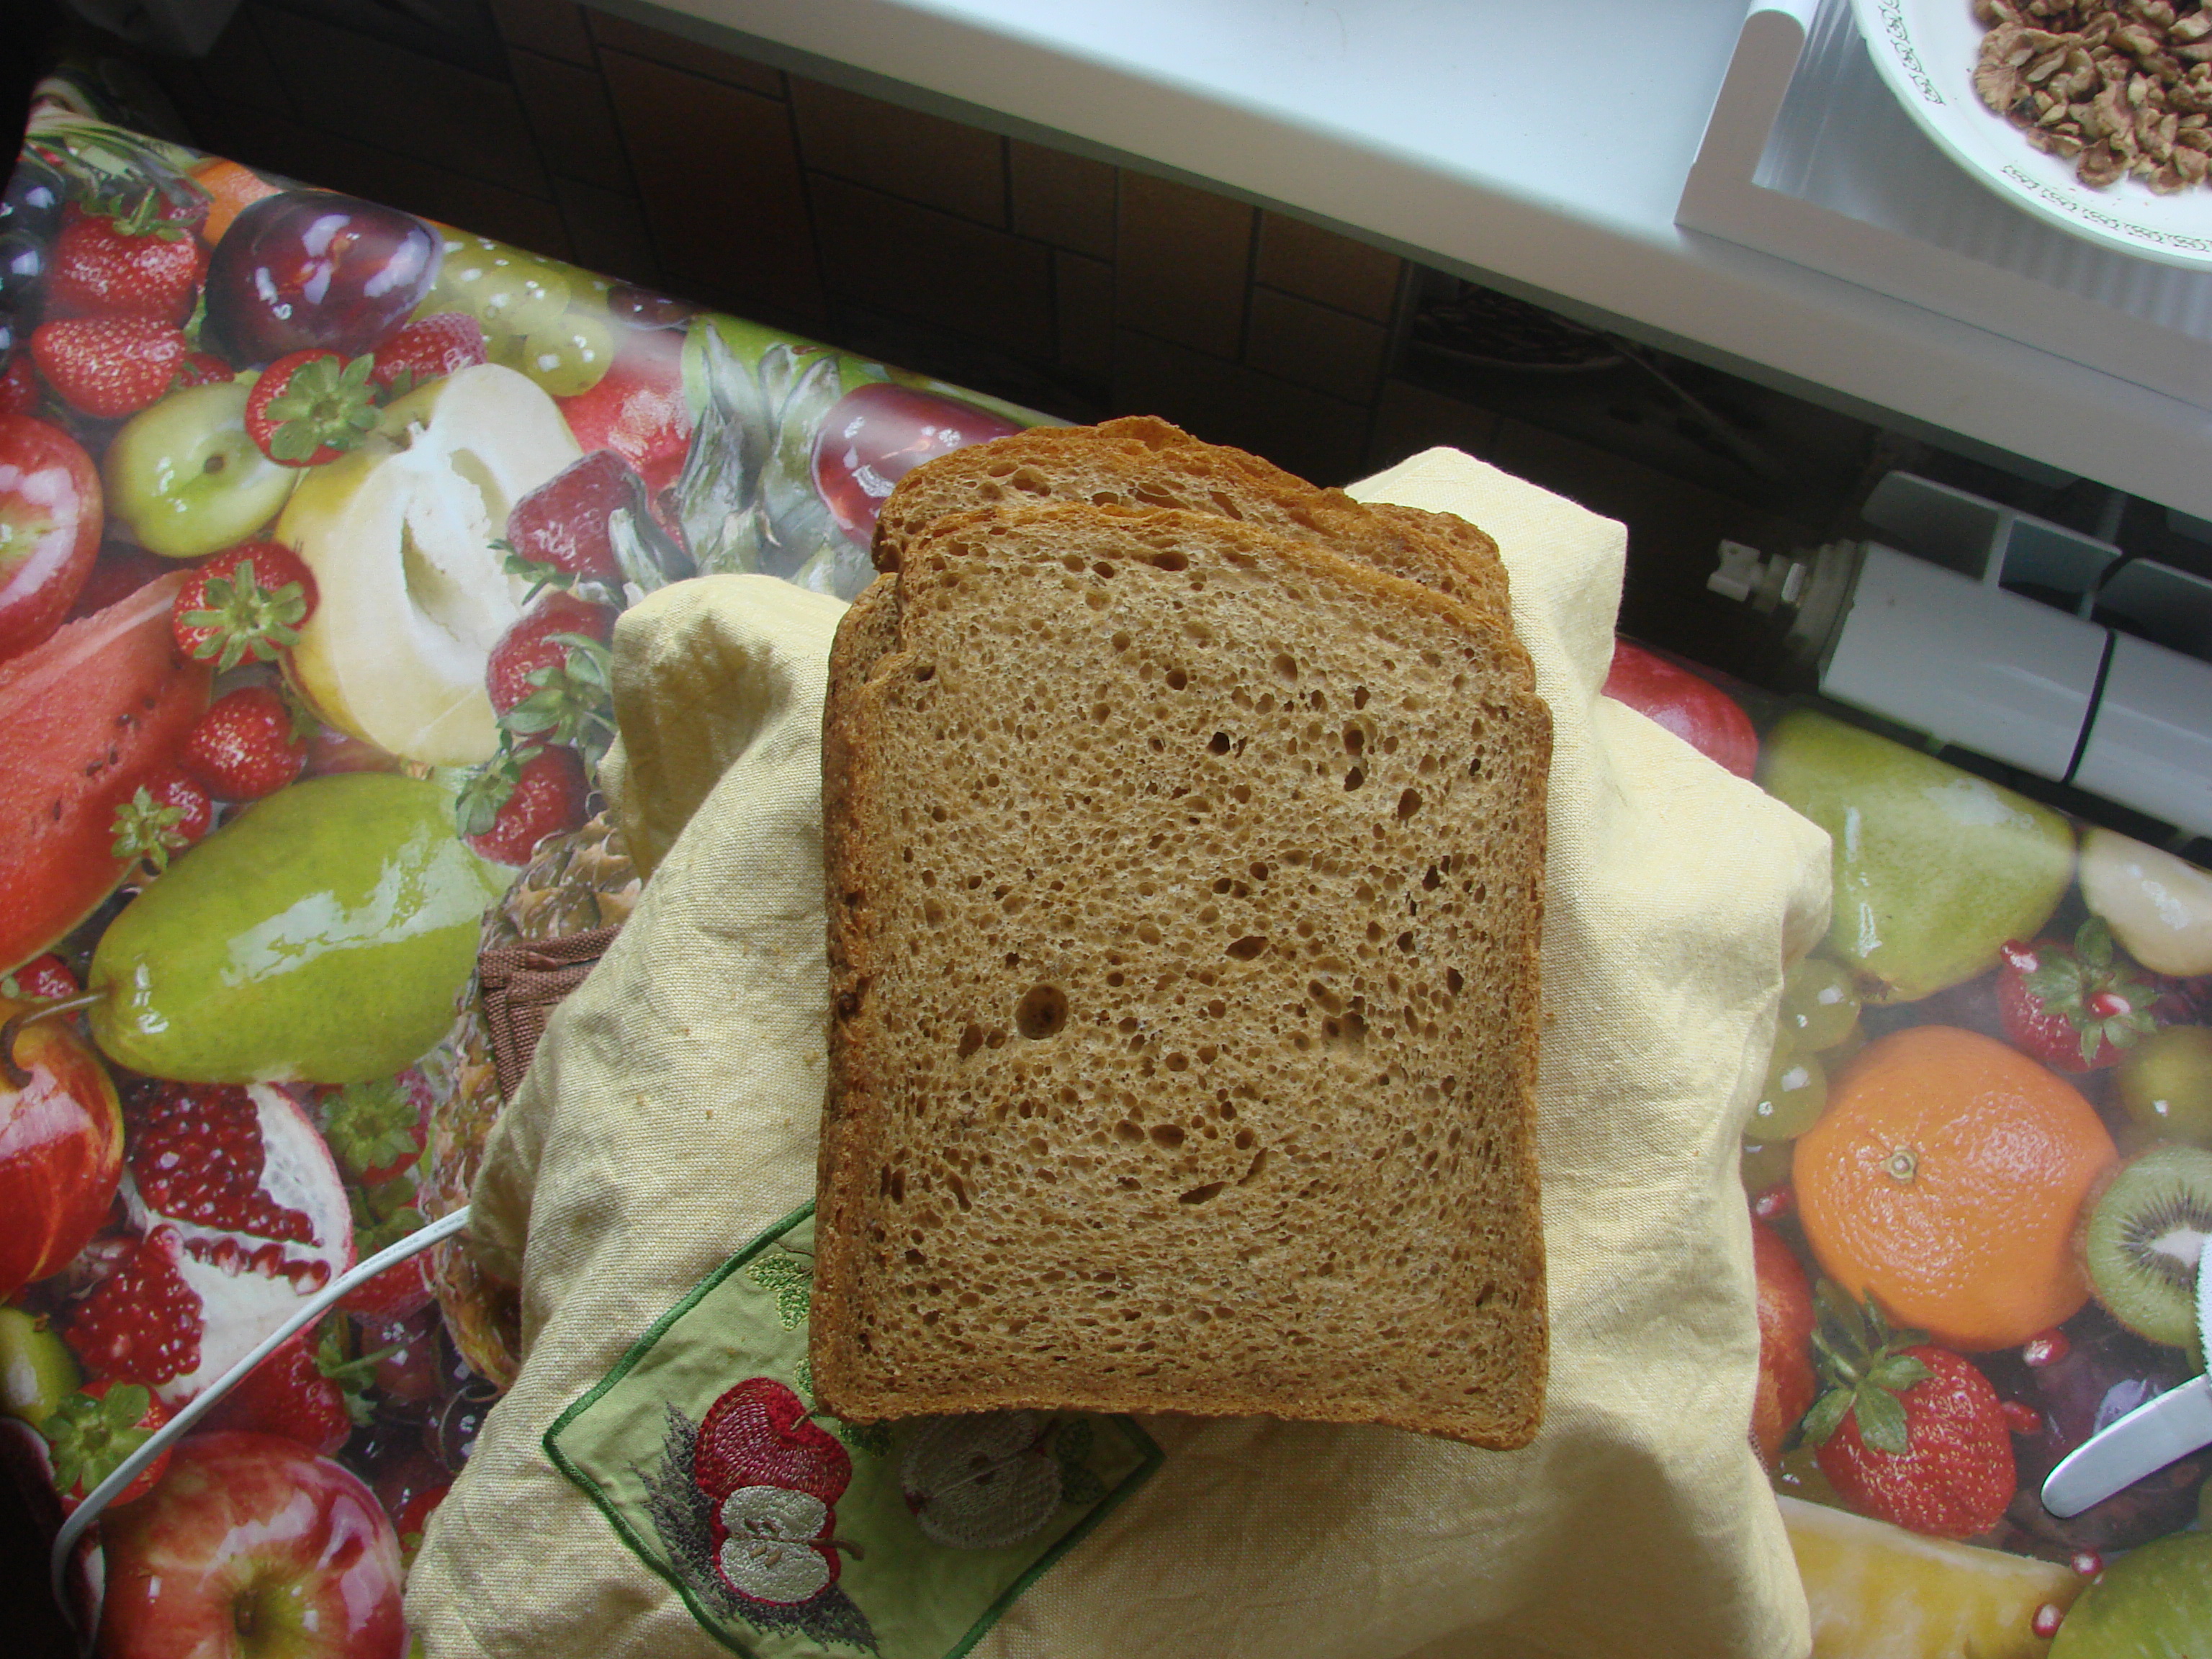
column 413, row 594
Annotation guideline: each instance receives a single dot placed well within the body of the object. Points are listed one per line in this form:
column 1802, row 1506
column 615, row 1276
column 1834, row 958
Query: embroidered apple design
column 976, row 1483
column 774, row 1476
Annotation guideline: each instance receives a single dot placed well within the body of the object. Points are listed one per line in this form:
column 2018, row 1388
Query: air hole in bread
column 1218, row 747
column 1168, row 559
column 1167, row 1134
column 1042, row 1013
column 1285, row 666
column 1408, row 804
column 1178, row 679
column 1354, row 778
column 1205, row 1195
column 1248, row 947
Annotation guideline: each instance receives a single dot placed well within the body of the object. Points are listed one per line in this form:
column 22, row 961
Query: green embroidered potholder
column 790, row 1534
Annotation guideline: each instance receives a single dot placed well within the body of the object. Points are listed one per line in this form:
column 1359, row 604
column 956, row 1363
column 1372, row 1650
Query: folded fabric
column 654, row 1483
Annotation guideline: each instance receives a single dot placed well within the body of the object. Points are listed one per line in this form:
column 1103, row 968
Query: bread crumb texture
column 1186, row 891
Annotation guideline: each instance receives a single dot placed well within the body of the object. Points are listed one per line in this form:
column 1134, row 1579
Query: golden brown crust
column 912, row 1094
column 1140, row 462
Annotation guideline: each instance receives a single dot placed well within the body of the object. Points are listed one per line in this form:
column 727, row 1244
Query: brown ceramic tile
column 238, row 69
column 1316, row 436
column 1409, row 419
column 555, row 27
column 718, row 175
column 575, row 126
column 1315, row 346
column 1320, row 264
column 384, row 95
column 891, row 254
column 607, row 229
column 1084, row 294
column 679, row 51
column 1183, row 262
column 901, row 152
column 338, row 163
column 1067, row 200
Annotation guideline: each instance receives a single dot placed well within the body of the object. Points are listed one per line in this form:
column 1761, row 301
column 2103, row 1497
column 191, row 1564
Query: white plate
column 1926, row 50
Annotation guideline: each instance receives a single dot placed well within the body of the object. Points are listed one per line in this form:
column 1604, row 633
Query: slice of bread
column 1185, row 886
column 1142, row 462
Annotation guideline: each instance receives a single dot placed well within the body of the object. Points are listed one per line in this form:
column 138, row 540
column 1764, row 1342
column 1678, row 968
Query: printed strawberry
column 376, row 1129
column 1907, row 1432
column 428, row 350
column 197, row 1153
column 168, row 813
column 521, row 798
column 143, row 1323
column 42, row 979
column 549, row 676
column 108, row 366
column 2074, row 1009
column 312, row 1395
column 759, row 1433
column 559, row 530
column 249, row 743
column 401, row 1290
column 134, row 260
column 19, row 388
column 246, row 604
column 311, row 407
column 199, row 369
column 91, row 1431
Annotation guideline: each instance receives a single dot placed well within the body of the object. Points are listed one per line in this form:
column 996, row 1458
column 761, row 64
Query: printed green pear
column 319, row 937
column 1935, row 868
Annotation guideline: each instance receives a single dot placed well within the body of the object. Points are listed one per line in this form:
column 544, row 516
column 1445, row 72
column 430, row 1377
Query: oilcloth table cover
column 670, row 1116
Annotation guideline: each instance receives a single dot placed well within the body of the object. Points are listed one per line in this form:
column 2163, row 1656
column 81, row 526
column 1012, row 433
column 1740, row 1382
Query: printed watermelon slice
column 85, row 719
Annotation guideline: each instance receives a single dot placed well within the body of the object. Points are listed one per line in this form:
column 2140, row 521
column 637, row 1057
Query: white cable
column 203, row 1403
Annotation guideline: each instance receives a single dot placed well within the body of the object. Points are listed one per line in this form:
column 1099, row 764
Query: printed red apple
column 61, row 1150
column 1786, row 1382
column 875, row 435
column 50, row 524
column 1695, row 710
column 256, row 1547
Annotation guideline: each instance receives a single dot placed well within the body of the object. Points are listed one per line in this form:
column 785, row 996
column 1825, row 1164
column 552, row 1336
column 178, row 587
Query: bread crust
column 886, row 1340
column 1140, row 461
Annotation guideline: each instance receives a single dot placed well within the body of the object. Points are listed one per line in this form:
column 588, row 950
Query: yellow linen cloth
column 670, row 1115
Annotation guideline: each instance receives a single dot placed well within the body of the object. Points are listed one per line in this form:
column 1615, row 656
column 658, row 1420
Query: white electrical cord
column 203, row 1403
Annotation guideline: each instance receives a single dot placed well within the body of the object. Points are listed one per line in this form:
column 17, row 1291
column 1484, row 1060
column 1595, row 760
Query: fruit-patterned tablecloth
column 315, row 520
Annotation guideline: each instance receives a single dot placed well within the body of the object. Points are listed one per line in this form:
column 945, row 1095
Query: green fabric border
column 637, row 1351
column 1148, row 1449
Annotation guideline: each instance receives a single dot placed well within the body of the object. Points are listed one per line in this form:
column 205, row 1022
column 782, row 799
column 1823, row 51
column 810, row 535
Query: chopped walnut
column 2120, row 88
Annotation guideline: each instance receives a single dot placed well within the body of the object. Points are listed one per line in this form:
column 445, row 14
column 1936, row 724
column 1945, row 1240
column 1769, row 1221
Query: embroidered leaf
column 873, row 1438
column 1078, row 1486
column 793, row 1285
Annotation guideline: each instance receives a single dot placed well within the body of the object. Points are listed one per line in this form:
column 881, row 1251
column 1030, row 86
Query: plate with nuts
column 2094, row 115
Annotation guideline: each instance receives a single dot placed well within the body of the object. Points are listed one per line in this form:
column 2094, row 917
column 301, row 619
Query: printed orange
column 231, row 189
column 1945, row 1178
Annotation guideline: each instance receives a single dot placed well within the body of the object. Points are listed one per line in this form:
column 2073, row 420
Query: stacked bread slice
column 1185, row 842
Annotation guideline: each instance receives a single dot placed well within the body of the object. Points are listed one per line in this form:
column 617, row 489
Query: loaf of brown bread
column 1139, row 461
column 1185, row 882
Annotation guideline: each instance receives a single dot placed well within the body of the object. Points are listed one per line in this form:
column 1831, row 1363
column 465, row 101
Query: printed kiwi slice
column 2142, row 1239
